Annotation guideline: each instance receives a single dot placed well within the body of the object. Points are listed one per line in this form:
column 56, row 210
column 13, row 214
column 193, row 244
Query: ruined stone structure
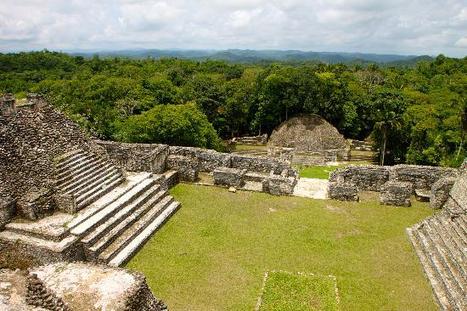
column 251, row 140
column 308, row 140
column 76, row 286
column 62, row 199
column 396, row 183
column 441, row 242
column 245, row 172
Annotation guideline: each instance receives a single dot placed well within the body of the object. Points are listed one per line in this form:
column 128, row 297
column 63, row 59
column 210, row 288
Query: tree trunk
column 383, row 152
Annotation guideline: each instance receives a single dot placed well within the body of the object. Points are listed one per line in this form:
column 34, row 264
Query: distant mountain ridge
column 248, row 56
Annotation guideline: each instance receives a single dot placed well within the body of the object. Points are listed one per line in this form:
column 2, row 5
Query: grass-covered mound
column 213, row 253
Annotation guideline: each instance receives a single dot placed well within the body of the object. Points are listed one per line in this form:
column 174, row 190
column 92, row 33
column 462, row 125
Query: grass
column 285, row 291
column 213, row 253
column 244, row 147
column 321, row 172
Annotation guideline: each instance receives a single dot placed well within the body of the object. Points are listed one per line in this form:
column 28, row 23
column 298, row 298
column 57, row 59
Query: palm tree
column 389, row 108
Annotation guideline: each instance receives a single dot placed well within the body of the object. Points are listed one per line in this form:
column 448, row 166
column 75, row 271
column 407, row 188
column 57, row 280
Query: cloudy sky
column 378, row 26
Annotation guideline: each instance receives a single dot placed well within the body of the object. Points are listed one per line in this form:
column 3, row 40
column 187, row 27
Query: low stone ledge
column 440, row 191
column 231, row 177
column 396, row 193
column 343, row 191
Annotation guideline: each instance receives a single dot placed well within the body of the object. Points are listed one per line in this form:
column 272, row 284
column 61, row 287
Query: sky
column 418, row 27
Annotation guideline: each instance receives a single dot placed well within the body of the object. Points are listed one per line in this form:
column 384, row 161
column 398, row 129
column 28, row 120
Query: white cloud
column 462, row 42
column 397, row 26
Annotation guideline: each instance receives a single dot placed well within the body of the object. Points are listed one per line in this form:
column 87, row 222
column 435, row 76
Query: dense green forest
column 416, row 113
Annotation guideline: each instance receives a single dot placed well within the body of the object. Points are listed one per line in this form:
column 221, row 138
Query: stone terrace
column 441, row 243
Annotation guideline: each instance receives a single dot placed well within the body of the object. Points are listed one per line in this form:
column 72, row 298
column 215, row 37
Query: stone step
column 83, row 176
column 171, row 178
column 130, row 182
column 99, row 189
column 47, row 228
column 134, row 245
column 454, row 232
column 103, row 214
column 443, row 273
column 68, row 157
column 80, row 167
column 100, row 193
column 451, row 270
column 54, row 246
column 119, row 216
column 437, row 285
column 75, row 164
column 95, row 182
column 126, row 237
column 118, row 230
column 462, row 225
column 447, row 241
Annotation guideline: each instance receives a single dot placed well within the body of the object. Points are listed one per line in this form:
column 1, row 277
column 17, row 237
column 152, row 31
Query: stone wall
column 372, row 177
column 30, row 140
column 365, row 178
column 137, row 157
column 386, row 179
column 251, row 140
column 276, row 175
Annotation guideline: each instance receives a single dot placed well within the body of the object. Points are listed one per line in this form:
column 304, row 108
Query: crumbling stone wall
column 277, row 176
column 365, row 178
column 396, row 193
column 421, row 177
column 440, row 191
column 137, row 157
column 29, row 142
column 251, row 140
column 375, row 178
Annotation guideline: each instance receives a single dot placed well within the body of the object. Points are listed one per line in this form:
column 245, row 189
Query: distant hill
column 251, row 56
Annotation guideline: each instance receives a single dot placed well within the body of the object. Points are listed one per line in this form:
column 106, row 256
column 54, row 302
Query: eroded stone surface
column 93, row 287
column 396, row 193
column 343, row 191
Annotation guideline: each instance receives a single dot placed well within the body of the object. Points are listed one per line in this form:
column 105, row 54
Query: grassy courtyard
column 213, row 253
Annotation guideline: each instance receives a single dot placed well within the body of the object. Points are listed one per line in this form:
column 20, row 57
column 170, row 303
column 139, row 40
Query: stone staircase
column 86, row 177
column 441, row 244
column 115, row 214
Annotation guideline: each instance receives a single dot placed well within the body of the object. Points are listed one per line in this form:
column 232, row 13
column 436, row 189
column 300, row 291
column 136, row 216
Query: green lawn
column 321, row 172
column 213, row 253
column 285, row 291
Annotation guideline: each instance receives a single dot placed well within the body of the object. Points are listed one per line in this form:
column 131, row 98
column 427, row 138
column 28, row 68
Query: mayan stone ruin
column 308, row 140
column 72, row 207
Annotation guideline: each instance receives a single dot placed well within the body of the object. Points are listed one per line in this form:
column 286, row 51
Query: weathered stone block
column 440, row 191
column 279, row 185
column 366, row 178
column 37, row 203
column 65, row 202
column 226, row 176
column 396, row 193
column 343, row 191
column 186, row 167
column 421, row 177
column 7, row 210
